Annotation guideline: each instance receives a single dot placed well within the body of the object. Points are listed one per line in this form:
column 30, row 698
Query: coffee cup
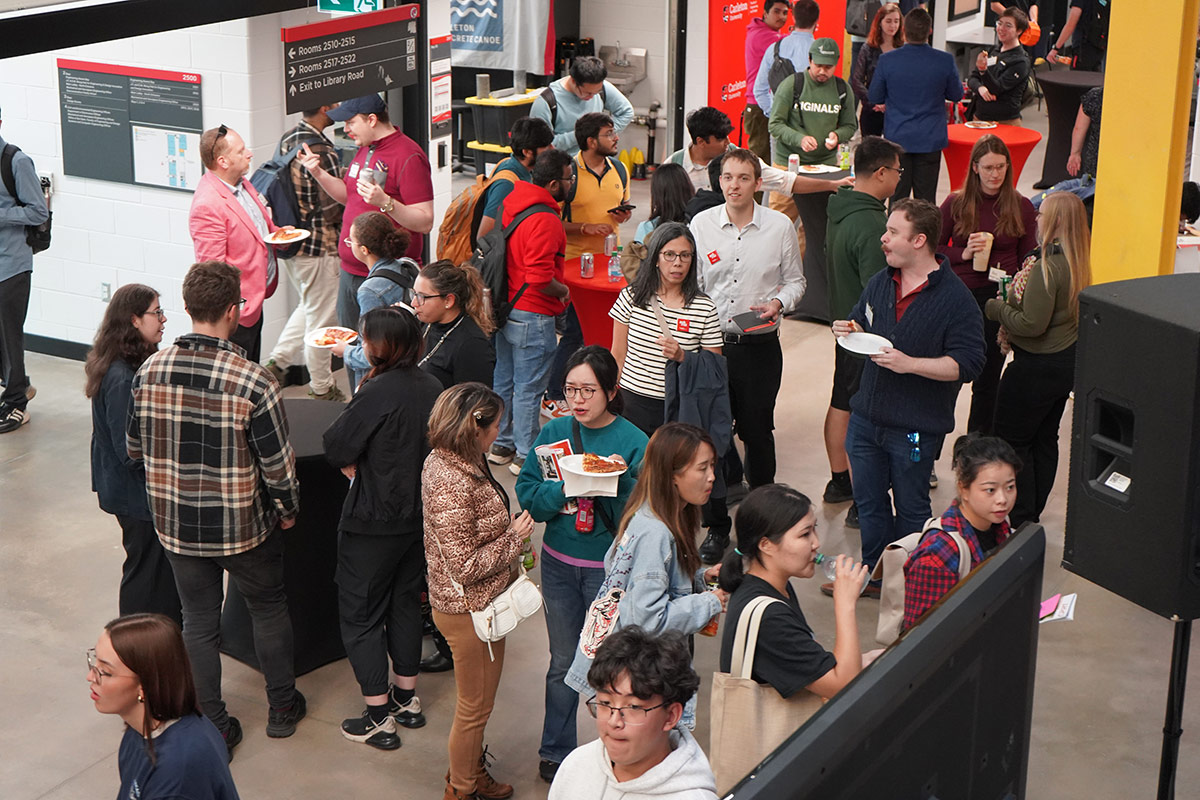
column 980, row 262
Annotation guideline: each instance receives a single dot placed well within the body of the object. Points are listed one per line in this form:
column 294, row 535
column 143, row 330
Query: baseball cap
column 367, row 104
column 823, row 51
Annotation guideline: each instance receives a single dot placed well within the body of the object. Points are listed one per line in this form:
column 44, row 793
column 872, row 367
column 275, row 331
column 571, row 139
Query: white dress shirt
column 741, row 268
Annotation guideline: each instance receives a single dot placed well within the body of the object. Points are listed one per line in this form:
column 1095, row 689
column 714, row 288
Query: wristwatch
column 388, row 206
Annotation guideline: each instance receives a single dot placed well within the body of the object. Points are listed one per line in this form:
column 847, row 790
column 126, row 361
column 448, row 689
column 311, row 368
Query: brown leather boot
column 488, row 788
column 454, row 794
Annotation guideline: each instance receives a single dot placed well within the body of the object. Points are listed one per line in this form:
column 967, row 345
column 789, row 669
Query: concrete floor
column 1099, row 697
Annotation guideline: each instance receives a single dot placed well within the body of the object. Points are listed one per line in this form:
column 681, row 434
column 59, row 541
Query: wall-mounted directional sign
column 328, row 62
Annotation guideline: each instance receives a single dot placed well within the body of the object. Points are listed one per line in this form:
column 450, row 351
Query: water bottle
column 828, row 565
column 844, row 156
column 527, row 559
column 614, row 267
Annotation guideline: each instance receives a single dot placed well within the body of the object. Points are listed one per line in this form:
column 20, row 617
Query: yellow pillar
column 1147, row 102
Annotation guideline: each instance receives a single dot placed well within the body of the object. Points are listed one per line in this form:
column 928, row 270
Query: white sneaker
column 12, row 418
column 553, row 409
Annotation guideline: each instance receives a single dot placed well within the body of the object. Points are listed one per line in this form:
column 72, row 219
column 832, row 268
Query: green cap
column 824, row 52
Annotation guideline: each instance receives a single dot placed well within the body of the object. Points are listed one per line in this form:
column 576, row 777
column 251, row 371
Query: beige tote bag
column 748, row 719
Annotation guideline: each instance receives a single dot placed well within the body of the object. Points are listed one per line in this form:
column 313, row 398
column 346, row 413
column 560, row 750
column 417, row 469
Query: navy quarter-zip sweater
column 943, row 320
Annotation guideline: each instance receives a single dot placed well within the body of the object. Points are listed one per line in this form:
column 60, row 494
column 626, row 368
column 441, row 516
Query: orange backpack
column 456, row 236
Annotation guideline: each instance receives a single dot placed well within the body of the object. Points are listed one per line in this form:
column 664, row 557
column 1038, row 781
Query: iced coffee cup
column 983, row 253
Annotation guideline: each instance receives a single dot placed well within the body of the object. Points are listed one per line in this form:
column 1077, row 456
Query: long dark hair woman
column 448, row 300
column 379, row 443
column 139, row 670
column 130, row 332
column 886, row 34
column 670, row 192
column 640, row 346
column 988, row 222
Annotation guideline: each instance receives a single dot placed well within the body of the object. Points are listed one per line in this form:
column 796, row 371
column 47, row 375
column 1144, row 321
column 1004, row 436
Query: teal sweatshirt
column 545, row 499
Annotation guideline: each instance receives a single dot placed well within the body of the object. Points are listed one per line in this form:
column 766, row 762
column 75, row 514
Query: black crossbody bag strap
column 604, row 516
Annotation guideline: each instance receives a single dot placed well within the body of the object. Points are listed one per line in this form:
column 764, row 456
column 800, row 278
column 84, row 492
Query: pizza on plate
column 601, row 466
column 331, row 336
column 290, row 235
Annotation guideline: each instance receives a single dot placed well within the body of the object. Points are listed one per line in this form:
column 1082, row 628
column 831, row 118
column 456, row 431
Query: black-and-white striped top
column 694, row 326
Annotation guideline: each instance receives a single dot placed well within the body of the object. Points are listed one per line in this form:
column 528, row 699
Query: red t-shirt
column 903, row 302
column 409, row 180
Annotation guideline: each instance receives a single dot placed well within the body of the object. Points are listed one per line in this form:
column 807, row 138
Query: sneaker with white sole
column 381, row 735
column 516, row 464
column 409, row 714
column 12, row 418
column 334, row 395
column 553, row 409
column 500, row 455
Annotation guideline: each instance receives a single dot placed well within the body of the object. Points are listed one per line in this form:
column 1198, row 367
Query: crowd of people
column 191, row 452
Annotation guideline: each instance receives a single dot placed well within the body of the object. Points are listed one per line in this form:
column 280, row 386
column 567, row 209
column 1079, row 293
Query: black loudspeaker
column 1133, row 505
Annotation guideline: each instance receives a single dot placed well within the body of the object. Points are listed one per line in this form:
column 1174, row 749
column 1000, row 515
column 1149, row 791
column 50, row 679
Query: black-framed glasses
column 158, row 312
column 586, row 392
column 672, row 256
column 242, row 303
column 630, row 715
column 914, row 455
column 899, row 170
column 419, row 298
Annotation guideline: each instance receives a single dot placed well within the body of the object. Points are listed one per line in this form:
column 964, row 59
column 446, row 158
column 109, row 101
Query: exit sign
column 349, row 6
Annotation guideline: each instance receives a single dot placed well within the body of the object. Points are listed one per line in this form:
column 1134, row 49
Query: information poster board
column 130, row 124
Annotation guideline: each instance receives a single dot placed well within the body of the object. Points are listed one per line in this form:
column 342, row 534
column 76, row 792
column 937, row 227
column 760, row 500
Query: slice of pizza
column 599, row 465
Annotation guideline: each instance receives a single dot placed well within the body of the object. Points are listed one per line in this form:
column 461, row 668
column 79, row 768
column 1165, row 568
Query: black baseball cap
column 367, row 104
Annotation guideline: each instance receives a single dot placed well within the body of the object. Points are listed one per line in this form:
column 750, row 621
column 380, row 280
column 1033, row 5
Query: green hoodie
column 826, row 107
column 853, row 252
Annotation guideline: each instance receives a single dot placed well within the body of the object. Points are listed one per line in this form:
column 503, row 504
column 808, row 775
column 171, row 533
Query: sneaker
column 873, row 590
column 852, row 516
column 12, row 418
column 409, row 715
column 838, row 492
column 232, row 736
column 281, row 723
column 933, row 481
column 553, row 409
column 500, row 455
column 279, row 373
column 515, row 465
column 334, row 395
column 712, row 550
column 547, row 770
column 381, row 735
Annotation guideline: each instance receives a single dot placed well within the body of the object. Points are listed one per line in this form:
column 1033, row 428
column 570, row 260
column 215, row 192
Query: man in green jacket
column 853, row 254
column 813, row 123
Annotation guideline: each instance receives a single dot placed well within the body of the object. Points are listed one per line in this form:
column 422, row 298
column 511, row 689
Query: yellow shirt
column 594, row 196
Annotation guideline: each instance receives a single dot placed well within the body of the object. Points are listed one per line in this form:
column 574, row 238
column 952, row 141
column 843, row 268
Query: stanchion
column 1172, row 727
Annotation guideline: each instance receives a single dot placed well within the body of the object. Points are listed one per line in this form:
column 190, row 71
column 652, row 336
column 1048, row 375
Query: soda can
column 587, row 265
column 366, row 175
column 793, row 163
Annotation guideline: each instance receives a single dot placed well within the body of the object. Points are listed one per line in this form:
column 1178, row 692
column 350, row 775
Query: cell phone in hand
column 622, row 208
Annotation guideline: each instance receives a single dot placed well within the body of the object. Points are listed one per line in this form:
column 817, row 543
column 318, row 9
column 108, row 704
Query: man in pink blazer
column 228, row 222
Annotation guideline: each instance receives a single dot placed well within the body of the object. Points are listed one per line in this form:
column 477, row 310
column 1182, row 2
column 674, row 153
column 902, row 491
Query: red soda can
column 585, row 517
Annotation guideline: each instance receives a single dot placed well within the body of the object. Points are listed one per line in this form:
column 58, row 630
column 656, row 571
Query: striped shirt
column 693, row 326
column 211, row 428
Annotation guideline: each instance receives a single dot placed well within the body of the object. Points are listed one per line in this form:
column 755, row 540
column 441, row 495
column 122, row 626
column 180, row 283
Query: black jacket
column 464, row 354
column 383, row 433
column 1006, row 79
column 118, row 481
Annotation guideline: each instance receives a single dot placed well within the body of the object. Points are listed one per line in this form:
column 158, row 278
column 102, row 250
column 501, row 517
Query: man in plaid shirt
column 220, row 473
column 314, row 270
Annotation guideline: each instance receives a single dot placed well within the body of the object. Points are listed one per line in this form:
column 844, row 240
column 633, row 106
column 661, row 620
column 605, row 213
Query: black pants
column 250, row 339
column 645, row 412
column 147, row 580
column 379, row 580
column 570, row 339
column 755, row 373
column 920, row 178
column 14, row 303
column 1029, row 407
column 984, row 387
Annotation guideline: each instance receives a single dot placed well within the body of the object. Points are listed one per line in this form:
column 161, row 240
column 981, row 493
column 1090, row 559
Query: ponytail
column 466, row 285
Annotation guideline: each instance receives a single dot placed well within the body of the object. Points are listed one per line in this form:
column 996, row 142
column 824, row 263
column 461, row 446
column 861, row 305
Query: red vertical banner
column 727, row 21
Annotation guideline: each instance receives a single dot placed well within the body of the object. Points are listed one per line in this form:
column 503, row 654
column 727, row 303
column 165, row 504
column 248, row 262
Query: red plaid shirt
column 316, row 206
column 932, row 569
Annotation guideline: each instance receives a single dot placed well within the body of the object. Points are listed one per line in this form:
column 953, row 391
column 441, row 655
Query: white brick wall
column 118, row 233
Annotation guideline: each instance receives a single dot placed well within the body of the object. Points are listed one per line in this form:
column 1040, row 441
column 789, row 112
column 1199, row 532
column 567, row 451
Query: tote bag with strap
column 748, row 720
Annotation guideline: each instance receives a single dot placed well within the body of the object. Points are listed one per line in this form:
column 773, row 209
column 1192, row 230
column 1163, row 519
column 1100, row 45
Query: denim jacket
column 658, row 596
column 375, row 292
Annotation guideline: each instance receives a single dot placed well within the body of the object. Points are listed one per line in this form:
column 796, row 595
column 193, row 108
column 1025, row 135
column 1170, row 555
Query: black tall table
column 812, row 207
column 310, row 551
column 1063, row 90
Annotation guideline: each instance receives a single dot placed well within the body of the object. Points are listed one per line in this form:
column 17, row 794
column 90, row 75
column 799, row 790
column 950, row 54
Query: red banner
column 727, row 23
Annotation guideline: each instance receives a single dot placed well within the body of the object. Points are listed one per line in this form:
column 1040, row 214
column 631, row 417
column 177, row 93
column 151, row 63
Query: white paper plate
column 866, row 344
column 980, row 125
column 577, row 483
column 319, row 332
column 817, row 169
column 270, row 237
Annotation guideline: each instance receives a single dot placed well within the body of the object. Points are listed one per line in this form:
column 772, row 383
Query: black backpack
column 859, row 14
column 780, row 68
column 613, row 163
column 491, row 259
column 273, row 180
column 36, row 236
column 552, row 101
column 405, row 277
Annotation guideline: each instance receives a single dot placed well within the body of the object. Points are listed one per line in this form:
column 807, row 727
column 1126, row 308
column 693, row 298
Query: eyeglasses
column 914, row 455
column 158, row 312
column 992, row 167
column 586, row 392
column 94, row 667
column 242, row 303
column 630, row 715
column 349, row 243
column 899, row 170
column 668, row 255
column 419, row 299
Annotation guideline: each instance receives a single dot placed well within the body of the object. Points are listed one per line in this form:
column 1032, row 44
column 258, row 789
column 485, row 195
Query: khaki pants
column 476, row 678
column 784, row 203
column 756, row 140
column 316, row 279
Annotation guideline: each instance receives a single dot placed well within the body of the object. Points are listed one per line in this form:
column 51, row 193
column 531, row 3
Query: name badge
column 683, row 325
column 713, row 257
column 870, row 315
column 995, row 274
column 353, row 173
column 991, row 62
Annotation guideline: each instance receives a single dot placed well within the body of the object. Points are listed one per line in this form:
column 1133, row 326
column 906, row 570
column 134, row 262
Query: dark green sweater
column 823, row 107
column 853, row 252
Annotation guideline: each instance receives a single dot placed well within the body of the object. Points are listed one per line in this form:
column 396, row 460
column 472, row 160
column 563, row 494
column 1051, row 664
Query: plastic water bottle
column 828, row 565
column 527, row 559
column 614, row 267
column 844, row 156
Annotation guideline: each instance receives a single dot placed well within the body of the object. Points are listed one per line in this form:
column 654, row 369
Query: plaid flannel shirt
column 316, row 206
column 932, row 569
column 211, row 429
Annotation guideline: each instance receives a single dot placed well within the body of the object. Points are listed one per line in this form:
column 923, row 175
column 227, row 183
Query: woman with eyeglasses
column 987, row 212
column 139, row 670
column 131, row 331
column 379, row 443
column 578, row 531
column 665, row 284
column 448, row 300
column 377, row 242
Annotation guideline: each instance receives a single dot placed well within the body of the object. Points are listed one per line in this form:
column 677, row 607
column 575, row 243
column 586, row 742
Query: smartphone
column 622, row 208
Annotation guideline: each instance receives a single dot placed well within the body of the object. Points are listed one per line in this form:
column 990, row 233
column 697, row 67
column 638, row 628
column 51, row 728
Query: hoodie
column 759, row 37
column 853, row 252
column 586, row 774
column 535, row 249
column 1006, row 78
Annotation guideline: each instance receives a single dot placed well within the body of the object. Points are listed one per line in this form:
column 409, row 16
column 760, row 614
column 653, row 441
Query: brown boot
column 488, row 788
column 454, row 794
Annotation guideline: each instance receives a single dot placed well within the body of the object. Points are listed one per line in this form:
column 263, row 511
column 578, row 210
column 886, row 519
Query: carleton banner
column 503, row 34
column 727, row 23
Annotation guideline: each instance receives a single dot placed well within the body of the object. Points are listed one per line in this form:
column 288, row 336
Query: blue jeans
column 881, row 459
column 567, row 592
column 524, row 351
